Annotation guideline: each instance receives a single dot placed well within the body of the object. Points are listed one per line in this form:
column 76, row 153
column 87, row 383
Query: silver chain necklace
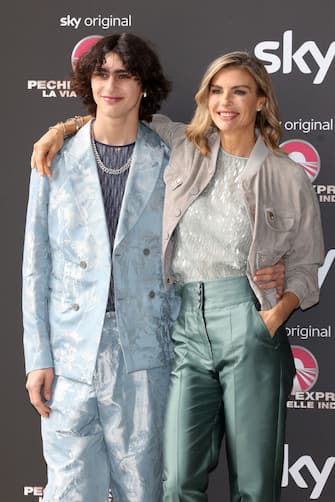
column 101, row 165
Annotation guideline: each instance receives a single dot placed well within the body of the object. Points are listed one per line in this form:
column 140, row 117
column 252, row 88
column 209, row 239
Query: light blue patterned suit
column 66, row 274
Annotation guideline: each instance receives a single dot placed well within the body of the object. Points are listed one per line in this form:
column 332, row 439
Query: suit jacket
column 67, row 262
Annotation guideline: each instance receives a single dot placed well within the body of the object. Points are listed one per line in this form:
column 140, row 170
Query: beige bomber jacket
column 282, row 206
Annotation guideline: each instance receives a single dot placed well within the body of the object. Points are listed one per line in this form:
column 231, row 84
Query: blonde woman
column 233, row 203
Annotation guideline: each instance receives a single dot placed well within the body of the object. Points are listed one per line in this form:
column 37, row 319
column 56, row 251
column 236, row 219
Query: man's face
column 116, row 92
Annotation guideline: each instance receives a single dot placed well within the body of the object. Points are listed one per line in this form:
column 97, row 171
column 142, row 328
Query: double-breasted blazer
column 67, row 262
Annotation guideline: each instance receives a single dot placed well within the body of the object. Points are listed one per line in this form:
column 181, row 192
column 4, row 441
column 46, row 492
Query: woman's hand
column 276, row 316
column 272, row 277
column 271, row 320
column 46, row 148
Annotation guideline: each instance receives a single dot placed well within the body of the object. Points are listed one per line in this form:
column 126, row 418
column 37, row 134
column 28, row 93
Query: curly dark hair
column 139, row 59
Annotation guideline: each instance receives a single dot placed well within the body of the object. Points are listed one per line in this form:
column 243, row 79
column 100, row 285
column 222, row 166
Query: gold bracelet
column 65, row 132
column 78, row 122
column 73, row 121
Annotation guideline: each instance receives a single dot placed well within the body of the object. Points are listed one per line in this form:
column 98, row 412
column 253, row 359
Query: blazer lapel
column 144, row 171
column 86, row 185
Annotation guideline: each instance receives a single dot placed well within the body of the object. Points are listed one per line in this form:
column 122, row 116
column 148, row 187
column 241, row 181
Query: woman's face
column 233, row 103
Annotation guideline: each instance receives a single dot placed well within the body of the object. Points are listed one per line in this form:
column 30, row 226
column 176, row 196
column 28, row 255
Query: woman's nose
column 225, row 97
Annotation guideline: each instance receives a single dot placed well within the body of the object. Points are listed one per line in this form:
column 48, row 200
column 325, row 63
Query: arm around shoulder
column 169, row 131
column 52, row 141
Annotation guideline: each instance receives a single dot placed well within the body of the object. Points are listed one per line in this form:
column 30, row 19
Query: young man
column 96, row 316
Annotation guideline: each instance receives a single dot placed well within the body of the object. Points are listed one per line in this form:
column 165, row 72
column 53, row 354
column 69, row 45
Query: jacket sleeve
column 35, row 277
column 169, row 131
column 307, row 253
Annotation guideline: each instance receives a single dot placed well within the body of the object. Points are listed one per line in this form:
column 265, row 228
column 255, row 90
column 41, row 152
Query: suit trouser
column 226, row 363
column 108, row 434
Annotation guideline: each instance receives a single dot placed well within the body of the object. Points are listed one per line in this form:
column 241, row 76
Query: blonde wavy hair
column 267, row 120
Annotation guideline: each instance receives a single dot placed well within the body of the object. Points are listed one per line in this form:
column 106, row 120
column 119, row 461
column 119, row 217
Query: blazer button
column 75, row 307
column 271, row 216
column 178, row 212
column 83, row 264
column 195, row 191
column 152, row 294
column 146, row 251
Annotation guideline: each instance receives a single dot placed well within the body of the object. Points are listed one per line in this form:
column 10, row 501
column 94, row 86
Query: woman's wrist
column 59, row 128
column 69, row 127
column 284, row 308
column 72, row 125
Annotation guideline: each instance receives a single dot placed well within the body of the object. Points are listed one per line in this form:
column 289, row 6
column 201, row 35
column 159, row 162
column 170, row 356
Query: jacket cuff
column 306, row 299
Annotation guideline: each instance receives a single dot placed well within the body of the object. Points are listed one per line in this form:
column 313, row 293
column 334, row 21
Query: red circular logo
column 307, row 369
column 82, row 47
column 304, row 154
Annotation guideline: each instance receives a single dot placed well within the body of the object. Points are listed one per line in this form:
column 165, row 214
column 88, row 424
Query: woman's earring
column 145, row 94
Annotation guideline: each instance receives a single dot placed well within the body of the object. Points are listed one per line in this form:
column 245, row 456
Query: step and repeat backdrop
column 296, row 40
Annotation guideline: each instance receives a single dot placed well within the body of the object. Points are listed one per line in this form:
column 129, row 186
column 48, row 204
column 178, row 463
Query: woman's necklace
column 101, row 165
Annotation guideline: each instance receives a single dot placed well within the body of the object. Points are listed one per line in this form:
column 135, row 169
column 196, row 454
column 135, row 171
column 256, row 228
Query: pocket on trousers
column 262, row 331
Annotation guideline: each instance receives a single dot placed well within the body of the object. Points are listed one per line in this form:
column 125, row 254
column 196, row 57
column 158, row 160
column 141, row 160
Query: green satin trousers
column 230, row 378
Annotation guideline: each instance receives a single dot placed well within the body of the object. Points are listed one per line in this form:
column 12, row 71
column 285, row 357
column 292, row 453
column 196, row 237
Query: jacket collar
column 256, row 158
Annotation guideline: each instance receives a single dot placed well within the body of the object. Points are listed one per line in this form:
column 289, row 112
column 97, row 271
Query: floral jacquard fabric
column 67, row 262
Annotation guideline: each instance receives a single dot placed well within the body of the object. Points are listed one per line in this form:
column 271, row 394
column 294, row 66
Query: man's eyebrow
column 117, row 70
column 121, row 70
